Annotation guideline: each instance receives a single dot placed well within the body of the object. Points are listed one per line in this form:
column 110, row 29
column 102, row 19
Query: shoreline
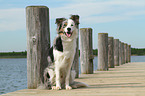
column 10, row 57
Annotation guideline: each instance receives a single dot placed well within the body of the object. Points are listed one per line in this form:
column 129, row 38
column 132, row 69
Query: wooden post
column 102, row 52
column 126, row 52
column 111, row 52
column 123, row 56
column 129, row 53
column 116, row 52
column 38, row 43
column 120, row 53
column 75, row 65
column 86, row 51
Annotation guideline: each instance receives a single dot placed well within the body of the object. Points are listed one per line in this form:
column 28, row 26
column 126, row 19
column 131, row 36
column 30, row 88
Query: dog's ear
column 59, row 25
column 75, row 18
column 59, row 20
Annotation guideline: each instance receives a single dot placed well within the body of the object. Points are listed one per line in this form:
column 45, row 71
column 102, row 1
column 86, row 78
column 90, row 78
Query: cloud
column 12, row 19
column 102, row 11
column 90, row 11
column 136, row 13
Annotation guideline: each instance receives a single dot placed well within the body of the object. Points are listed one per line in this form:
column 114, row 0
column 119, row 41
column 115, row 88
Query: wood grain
column 102, row 52
column 86, row 51
column 38, row 43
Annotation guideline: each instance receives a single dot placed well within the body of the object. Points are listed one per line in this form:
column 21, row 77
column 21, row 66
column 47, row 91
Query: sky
column 121, row 19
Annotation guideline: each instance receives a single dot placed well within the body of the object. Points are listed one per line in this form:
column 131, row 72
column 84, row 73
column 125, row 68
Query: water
column 137, row 58
column 13, row 73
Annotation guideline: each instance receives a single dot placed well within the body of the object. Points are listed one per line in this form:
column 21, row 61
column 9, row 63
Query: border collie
column 58, row 74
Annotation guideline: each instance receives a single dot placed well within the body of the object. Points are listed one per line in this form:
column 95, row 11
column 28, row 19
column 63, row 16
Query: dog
column 58, row 75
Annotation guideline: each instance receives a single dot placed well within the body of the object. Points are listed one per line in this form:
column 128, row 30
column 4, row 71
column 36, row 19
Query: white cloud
column 102, row 11
column 104, row 19
column 12, row 19
column 129, row 3
column 136, row 13
column 90, row 11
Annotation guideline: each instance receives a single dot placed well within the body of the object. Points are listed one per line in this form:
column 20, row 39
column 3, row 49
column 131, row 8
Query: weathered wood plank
column 86, row 51
column 38, row 43
column 102, row 52
column 125, row 80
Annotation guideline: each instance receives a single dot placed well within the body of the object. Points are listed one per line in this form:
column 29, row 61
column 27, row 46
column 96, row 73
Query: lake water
column 13, row 73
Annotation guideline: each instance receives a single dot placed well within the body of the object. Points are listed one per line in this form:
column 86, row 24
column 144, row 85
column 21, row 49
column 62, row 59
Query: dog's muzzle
column 68, row 34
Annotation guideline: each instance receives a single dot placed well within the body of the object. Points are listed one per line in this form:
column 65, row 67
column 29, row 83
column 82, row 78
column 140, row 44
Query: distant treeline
column 134, row 51
column 137, row 51
column 23, row 54
column 13, row 54
column 95, row 52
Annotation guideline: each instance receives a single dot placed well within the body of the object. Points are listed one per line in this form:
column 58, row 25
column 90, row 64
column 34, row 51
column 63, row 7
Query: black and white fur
column 58, row 74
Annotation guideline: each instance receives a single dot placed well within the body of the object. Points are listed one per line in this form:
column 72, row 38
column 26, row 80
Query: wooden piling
column 86, row 51
column 120, row 53
column 126, row 52
column 38, row 43
column 129, row 53
column 116, row 52
column 102, row 52
column 123, row 54
column 110, row 52
column 75, row 65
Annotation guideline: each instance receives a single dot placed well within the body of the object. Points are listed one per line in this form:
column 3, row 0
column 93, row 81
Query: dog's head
column 68, row 27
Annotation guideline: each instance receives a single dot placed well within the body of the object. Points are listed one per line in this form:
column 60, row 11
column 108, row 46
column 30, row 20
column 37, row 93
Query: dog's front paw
column 68, row 87
column 56, row 88
column 53, row 87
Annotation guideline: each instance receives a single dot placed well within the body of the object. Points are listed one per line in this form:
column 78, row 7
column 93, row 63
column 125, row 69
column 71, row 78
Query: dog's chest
column 67, row 55
column 69, row 47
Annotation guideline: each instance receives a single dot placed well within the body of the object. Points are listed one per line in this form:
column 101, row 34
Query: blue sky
column 122, row 19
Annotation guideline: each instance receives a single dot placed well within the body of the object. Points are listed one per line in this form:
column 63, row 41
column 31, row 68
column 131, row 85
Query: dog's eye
column 72, row 25
column 64, row 25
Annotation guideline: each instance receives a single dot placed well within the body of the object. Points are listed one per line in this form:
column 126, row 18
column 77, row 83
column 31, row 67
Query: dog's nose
column 68, row 29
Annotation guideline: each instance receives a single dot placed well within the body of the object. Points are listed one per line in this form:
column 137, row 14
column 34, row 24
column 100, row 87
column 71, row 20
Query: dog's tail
column 75, row 84
column 78, row 85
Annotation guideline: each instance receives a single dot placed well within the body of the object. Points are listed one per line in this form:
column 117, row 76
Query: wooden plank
column 102, row 52
column 125, row 80
column 38, row 43
column 110, row 52
column 86, row 51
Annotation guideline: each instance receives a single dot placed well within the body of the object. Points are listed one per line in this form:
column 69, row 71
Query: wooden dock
column 125, row 80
